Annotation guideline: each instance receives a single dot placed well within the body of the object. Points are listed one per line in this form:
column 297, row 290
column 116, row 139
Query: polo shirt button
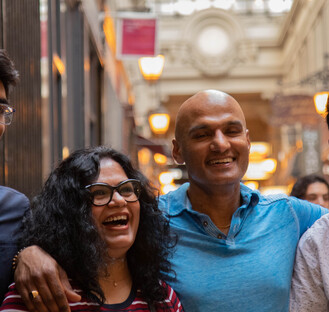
column 220, row 236
column 205, row 223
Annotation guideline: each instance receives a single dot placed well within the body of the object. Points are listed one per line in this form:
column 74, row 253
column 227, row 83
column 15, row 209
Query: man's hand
column 37, row 270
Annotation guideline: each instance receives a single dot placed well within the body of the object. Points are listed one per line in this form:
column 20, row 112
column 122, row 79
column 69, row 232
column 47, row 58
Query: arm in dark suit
column 13, row 206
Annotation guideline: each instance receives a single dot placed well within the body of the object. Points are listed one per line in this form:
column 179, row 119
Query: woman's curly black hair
column 61, row 223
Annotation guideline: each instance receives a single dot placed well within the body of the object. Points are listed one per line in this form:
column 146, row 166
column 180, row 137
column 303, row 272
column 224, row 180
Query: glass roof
column 187, row 7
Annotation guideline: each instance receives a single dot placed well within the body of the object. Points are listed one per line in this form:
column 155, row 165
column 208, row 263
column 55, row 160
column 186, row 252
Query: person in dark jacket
column 13, row 204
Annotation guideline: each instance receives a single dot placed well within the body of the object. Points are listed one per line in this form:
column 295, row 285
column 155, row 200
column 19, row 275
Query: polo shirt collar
column 249, row 197
column 178, row 200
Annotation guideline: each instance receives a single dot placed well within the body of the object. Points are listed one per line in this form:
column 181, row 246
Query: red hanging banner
column 136, row 35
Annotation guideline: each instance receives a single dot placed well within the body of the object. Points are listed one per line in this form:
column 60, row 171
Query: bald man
column 235, row 248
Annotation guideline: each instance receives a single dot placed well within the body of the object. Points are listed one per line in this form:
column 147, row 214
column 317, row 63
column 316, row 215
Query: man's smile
column 220, row 161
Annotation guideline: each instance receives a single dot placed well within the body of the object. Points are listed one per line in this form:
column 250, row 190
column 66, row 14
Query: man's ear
column 176, row 152
column 248, row 138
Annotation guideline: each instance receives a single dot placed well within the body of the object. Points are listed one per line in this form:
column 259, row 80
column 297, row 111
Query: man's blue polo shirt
column 249, row 269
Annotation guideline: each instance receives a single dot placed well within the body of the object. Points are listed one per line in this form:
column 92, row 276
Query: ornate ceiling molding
column 212, row 38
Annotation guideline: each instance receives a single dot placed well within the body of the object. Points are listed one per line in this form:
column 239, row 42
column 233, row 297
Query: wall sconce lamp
column 260, row 166
column 259, row 150
column 321, row 98
column 320, row 102
column 159, row 121
column 151, row 67
column 166, row 180
column 260, row 170
column 160, row 159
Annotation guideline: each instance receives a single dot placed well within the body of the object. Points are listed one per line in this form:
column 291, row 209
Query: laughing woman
column 98, row 217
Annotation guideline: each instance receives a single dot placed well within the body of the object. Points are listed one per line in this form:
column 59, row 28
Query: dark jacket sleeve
column 13, row 206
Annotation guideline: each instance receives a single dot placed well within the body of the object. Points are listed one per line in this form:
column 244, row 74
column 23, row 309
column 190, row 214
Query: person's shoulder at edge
column 13, row 207
column 305, row 212
column 7, row 193
column 291, row 201
column 12, row 202
column 319, row 230
column 173, row 201
column 301, row 205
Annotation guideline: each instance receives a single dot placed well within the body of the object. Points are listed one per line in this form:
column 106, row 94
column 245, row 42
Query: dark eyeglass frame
column 8, row 115
column 137, row 190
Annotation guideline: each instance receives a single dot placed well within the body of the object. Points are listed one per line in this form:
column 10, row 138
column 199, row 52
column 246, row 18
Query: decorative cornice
column 220, row 63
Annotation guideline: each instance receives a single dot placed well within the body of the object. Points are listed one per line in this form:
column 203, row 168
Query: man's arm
column 37, row 270
column 13, row 206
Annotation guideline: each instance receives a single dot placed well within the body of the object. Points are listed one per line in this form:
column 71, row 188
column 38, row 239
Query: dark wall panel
column 21, row 167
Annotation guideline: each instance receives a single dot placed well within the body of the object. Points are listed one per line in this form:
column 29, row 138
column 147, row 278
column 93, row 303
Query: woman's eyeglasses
column 102, row 193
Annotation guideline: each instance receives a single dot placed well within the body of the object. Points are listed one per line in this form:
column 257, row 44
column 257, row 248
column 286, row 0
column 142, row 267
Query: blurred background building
column 83, row 81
